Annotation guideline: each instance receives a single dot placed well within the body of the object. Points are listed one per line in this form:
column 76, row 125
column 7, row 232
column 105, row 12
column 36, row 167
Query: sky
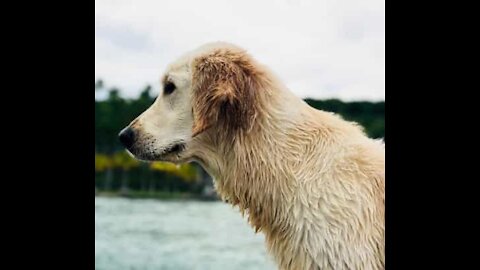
column 318, row 48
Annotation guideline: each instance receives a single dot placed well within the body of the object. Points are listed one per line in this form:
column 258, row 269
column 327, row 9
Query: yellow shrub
column 102, row 162
column 185, row 171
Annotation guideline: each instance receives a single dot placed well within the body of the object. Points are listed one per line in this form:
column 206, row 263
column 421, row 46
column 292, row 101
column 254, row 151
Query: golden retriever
column 312, row 182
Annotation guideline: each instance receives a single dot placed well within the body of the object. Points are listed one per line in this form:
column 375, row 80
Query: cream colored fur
column 313, row 183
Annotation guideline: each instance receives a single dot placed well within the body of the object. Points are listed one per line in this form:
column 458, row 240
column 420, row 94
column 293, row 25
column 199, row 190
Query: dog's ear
column 224, row 94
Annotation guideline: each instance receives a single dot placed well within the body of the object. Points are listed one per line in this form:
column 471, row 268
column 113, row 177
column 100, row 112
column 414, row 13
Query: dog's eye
column 168, row 88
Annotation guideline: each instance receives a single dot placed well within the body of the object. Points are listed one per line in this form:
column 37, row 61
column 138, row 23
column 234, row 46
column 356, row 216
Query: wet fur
column 310, row 181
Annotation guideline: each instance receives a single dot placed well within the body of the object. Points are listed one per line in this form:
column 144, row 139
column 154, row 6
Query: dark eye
column 168, row 88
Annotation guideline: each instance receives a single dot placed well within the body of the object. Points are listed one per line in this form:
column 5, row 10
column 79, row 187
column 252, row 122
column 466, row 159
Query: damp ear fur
column 224, row 93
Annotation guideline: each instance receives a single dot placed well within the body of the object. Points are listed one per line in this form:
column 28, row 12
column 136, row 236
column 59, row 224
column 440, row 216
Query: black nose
column 127, row 137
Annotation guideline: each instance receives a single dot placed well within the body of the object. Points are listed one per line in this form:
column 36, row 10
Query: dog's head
column 212, row 89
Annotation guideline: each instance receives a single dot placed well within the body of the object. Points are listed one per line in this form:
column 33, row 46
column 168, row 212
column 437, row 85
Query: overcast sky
column 319, row 48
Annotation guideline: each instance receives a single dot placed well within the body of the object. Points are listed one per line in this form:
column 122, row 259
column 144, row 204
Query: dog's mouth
column 174, row 149
column 171, row 152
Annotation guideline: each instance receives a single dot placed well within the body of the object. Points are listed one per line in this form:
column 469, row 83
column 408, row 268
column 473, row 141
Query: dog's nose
column 127, row 137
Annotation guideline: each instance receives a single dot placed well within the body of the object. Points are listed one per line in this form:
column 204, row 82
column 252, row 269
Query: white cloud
column 320, row 48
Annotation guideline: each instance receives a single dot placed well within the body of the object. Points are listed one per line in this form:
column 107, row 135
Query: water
column 151, row 234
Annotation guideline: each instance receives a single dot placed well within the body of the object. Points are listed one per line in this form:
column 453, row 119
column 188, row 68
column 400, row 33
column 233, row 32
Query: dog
column 312, row 182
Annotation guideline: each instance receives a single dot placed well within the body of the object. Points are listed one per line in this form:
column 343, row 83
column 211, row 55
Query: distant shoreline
column 157, row 195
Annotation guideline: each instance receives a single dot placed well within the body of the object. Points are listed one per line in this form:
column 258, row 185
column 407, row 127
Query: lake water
column 168, row 235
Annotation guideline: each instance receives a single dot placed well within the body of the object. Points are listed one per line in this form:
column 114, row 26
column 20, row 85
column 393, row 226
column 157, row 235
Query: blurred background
column 162, row 216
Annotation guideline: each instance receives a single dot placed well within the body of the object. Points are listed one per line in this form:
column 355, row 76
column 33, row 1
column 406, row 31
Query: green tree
column 114, row 112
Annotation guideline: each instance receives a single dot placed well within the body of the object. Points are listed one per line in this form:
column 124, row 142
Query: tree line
column 117, row 171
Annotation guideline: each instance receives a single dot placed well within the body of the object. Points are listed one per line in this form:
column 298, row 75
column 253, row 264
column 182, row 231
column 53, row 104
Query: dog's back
column 337, row 210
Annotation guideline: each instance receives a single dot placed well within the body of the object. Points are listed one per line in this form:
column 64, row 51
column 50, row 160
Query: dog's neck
column 256, row 170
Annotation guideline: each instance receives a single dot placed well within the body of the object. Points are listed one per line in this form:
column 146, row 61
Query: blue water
column 152, row 234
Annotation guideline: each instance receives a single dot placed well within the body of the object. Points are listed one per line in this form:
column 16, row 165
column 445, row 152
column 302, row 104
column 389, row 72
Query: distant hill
column 118, row 172
column 115, row 112
column 370, row 115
